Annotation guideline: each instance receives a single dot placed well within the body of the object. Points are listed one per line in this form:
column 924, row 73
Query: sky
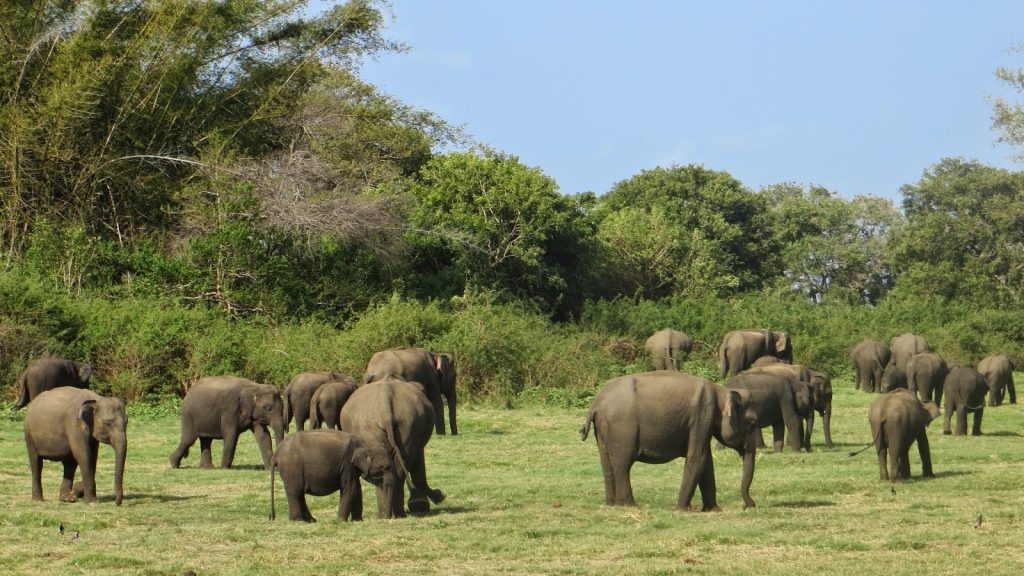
column 860, row 97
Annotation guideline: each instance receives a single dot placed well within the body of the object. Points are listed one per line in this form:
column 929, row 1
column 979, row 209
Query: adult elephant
column 321, row 462
column 894, row 378
column 926, row 373
column 667, row 348
column 222, row 407
column 905, row 346
column 325, row 406
column 788, row 402
column 299, row 392
column 397, row 415
column 740, row 348
column 656, row 417
column 998, row 372
column 66, row 425
column 965, row 390
column 898, row 419
column 45, row 374
column 870, row 358
column 817, row 398
column 434, row 371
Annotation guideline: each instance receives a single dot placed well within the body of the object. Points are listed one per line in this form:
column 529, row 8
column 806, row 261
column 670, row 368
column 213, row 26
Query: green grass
column 526, row 496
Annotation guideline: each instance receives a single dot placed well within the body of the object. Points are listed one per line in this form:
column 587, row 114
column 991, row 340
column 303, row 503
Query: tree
column 1007, row 116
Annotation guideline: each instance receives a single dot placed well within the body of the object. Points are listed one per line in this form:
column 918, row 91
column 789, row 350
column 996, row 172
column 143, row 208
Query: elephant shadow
column 952, row 473
column 1003, row 433
column 442, row 510
column 154, row 497
column 804, row 504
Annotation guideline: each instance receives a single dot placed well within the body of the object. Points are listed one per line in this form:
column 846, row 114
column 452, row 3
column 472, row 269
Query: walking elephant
column 894, row 377
column 434, row 371
column 667, row 348
column 298, row 394
column 222, row 407
column 656, row 417
column 905, row 346
column 66, row 425
column 789, row 401
column 870, row 358
column 965, row 390
column 321, row 462
column 45, row 374
column 397, row 415
column 998, row 372
column 898, row 419
column 325, row 406
column 926, row 373
column 740, row 348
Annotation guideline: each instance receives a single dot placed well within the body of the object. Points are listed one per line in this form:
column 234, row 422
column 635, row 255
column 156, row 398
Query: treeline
column 203, row 182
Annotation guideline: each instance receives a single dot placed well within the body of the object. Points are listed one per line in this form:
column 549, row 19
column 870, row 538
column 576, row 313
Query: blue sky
column 859, row 97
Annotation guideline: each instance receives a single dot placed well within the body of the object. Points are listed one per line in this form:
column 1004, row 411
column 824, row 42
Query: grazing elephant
column 898, row 419
column 298, row 394
column 434, row 371
column 222, row 407
column 998, row 372
column 965, row 390
column 667, row 348
column 790, row 399
column 656, row 417
column 870, row 358
column 926, row 373
column 740, row 348
column 905, row 346
column 325, row 406
column 894, row 378
column 45, row 374
column 397, row 415
column 66, row 425
column 321, row 462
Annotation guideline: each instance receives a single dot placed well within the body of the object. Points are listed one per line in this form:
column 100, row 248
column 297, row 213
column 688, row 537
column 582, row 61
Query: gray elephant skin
column 667, row 348
column 784, row 404
column 322, row 462
column 870, row 358
column 656, row 417
column 926, row 373
column 904, row 346
column 965, row 390
column 434, row 371
column 740, row 348
column 67, row 425
column 397, row 415
column 325, row 406
column 998, row 372
column 45, row 374
column 819, row 387
column 898, row 419
column 222, row 407
column 299, row 392
column 894, row 378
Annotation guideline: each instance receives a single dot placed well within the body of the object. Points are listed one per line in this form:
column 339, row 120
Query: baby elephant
column 898, row 419
column 323, row 461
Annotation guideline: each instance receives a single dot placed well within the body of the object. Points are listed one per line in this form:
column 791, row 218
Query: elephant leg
column 881, row 451
column 227, row 457
column 188, row 438
column 947, row 415
column 694, row 469
column 66, row 491
column 89, row 474
column 826, row 426
column 858, row 378
column 438, row 413
column 708, row 489
column 35, row 464
column 937, row 393
column 206, row 452
column 903, row 462
column 808, row 427
column 926, row 455
column 350, row 499
column 961, row 420
column 332, row 420
column 264, row 442
column 976, row 428
column 778, row 436
column 297, row 507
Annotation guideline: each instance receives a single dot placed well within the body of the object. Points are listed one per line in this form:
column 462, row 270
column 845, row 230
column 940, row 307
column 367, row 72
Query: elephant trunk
column 120, row 453
column 451, row 411
column 749, row 457
column 277, row 423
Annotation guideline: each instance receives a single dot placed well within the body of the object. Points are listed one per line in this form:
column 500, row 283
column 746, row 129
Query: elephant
column 870, row 358
column 740, row 348
column 904, row 346
column 765, row 361
column 434, row 371
column 67, row 424
column 299, row 392
column 222, row 407
column 325, row 406
column 926, row 373
column 656, row 417
column 965, row 390
column 321, row 462
column 667, row 348
column 898, row 419
column 819, row 399
column 45, row 374
column 998, row 372
column 789, row 401
column 397, row 415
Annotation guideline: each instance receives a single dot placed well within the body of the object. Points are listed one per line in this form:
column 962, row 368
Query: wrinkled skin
column 667, row 348
column 965, row 390
column 45, row 374
column 791, row 399
column 740, row 348
column 299, row 392
column 222, row 407
column 898, row 419
column 656, row 417
column 904, row 347
column 321, row 462
column 397, row 415
column 434, row 371
column 998, row 372
column 67, row 425
column 894, row 378
column 325, row 406
column 926, row 373
column 870, row 358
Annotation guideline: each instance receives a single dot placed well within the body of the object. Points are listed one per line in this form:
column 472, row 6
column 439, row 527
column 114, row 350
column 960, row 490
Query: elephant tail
column 315, row 417
column 723, row 360
column 585, row 430
column 874, row 440
column 287, row 409
column 23, row 400
column 273, row 466
column 399, row 459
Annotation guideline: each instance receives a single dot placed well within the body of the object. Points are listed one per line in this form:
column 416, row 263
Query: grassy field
column 526, row 496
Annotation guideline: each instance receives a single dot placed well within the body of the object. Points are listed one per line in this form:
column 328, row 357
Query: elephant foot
column 436, row 496
column 68, row 496
column 947, row 432
column 419, row 506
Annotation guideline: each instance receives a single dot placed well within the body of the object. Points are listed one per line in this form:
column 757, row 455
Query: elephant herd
column 376, row 429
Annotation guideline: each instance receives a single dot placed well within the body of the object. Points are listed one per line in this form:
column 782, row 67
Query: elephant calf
column 998, row 372
column 326, row 403
column 898, row 419
column 965, row 393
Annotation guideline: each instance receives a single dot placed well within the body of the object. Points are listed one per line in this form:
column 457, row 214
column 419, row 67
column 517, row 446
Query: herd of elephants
column 376, row 429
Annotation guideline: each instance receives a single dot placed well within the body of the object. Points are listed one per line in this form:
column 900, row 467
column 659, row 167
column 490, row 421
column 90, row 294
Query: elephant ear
column 932, row 409
column 87, row 411
column 84, row 372
column 444, row 364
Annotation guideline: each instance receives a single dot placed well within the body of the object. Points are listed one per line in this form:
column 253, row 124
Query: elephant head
column 83, row 371
column 444, row 363
column 376, row 467
column 783, row 346
column 108, row 423
column 263, row 405
column 737, row 417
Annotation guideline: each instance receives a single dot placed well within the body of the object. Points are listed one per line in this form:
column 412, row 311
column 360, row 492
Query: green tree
column 1008, row 116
